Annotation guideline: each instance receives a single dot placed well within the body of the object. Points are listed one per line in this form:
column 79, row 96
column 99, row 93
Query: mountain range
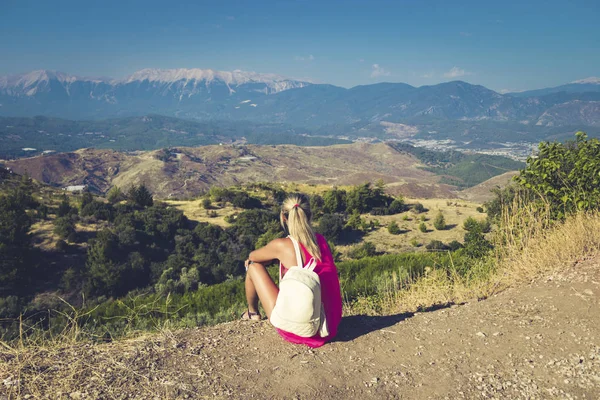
column 249, row 96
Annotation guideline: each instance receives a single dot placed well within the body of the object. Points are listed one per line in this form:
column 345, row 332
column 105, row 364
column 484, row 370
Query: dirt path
column 533, row 342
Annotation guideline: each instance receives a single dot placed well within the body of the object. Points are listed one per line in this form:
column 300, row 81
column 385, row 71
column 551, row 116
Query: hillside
column 188, row 172
column 483, row 192
column 536, row 341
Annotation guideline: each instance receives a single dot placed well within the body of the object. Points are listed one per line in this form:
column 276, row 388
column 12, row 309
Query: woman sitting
column 295, row 219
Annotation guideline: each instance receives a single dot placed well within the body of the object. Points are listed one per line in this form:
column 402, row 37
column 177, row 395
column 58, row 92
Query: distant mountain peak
column 592, row 79
column 34, row 78
column 236, row 77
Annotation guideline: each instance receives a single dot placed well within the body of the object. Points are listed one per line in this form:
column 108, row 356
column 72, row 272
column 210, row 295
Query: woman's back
column 330, row 294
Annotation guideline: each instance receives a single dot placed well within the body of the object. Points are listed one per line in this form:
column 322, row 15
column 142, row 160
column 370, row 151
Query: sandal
column 250, row 316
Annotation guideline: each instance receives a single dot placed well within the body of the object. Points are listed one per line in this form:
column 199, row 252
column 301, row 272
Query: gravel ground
column 539, row 341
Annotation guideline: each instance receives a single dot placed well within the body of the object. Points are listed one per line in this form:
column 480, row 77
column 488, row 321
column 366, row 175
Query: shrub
column 436, row 245
column 331, row 226
column 206, row 204
column 471, row 224
column 245, row 201
column 64, row 208
column 480, row 209
column 568, row 175
column 393, row 228
column 455, row 245
column 439, row 222
column 115, row 195
column 423, row 227
column 366, row 249
column 64, row 227
column 415, row 243
column 418, row 208
column 61, row 246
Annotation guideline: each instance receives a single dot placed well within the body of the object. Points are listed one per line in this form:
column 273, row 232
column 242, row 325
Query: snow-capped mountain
column 208, row 94
column 189, row 92
column 592, row 79
column 273, row 83
column 591, row 84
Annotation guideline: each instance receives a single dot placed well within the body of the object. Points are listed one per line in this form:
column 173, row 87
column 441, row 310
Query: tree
column 15, row 244
column 354, row 222
column 86, row 199
column 206, row 204
column 439, row 222
column 331, row 226
column 141, row 196
column 64, row 208
column 334, row 201
column 64, row 228
column 566, row 175
column 115, row 195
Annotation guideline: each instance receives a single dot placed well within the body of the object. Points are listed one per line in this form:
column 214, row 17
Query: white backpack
column 298, row 308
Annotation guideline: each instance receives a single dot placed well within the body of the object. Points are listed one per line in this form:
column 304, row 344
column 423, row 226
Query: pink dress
column 330, row 296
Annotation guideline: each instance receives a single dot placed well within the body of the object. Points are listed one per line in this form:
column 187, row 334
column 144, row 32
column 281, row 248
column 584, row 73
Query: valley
column 185, row 172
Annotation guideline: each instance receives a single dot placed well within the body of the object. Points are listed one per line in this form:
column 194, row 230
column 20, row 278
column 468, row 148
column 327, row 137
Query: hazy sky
column 514, row 45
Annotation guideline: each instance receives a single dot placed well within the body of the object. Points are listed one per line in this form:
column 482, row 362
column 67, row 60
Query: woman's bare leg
column 259, row 285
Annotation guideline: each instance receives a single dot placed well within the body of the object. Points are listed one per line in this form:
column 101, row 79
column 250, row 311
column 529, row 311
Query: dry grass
column 530, row 246
column 455, row 213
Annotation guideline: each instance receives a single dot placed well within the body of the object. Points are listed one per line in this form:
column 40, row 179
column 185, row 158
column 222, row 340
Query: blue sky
column 514, row 45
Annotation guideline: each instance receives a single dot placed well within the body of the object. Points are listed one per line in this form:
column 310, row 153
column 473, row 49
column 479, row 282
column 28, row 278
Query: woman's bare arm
column 273, row 250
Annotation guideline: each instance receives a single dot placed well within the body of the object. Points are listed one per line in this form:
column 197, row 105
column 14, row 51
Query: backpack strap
column 310, row 265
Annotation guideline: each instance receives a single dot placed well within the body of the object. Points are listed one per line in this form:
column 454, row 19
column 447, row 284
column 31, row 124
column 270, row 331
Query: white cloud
column 377, row 71
column 310, row 57
column 428, row 75
column 456, row 72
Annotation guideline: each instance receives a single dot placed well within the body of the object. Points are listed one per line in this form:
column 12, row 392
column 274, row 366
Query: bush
column 393, row 228
column 115, row 195
column 439, row 222
column 245, row 201
column 64, row 227
column 64, row 208
column 436, row 245
column 455, row 245
column 331, row 226
column 61, row 246
column 206, row 204
column 366, row 249
column 471, row 224
column 423, row 227
column 418, row 208
column 415, row 243
column 480, row 209
column 567, row 175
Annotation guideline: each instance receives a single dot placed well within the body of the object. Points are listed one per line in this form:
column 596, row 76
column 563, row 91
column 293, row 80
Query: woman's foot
column 251, row 316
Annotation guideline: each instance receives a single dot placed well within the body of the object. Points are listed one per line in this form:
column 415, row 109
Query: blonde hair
column 297, row 209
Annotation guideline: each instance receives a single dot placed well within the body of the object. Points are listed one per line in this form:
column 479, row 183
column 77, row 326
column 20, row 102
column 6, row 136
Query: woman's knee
column 255, row 267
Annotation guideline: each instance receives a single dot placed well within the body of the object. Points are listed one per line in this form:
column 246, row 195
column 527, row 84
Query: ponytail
column 297, row 209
